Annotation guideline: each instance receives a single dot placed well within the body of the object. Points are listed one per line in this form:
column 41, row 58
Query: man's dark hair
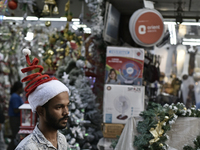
column 17, row 85
column 46, row 105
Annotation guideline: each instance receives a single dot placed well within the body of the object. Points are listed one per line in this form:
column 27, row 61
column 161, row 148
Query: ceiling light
column 191, row 40
column 29, row 18
column 12, row 18
column 191, row 23
column 191, row 43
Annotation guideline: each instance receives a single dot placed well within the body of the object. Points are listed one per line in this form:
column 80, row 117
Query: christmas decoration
column 83, row 130
column 47, row 23
column 84, row 123
column 157, row 121
column 12, row 4
column 62, row 44
column 3, row 7
column 50, row 7
column 68, row 14
column 24, row 4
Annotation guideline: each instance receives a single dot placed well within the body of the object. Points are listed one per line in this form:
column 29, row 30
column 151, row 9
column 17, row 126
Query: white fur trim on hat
column 44, row 92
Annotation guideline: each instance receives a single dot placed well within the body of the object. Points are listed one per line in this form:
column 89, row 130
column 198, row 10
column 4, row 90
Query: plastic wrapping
column 126, row 139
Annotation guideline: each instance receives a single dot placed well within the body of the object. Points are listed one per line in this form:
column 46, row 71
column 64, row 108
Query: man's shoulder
column 28, row 143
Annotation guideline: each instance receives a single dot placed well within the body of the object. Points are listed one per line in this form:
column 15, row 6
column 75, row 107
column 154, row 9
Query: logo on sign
column 117, row 52
column 142, row 29
column 134, row 89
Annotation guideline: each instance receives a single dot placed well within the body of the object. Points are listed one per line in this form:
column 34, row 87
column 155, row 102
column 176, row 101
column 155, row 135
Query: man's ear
column 40, row 110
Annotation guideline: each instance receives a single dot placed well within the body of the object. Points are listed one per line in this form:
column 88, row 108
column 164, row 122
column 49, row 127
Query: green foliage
column 114, row 142
column 188, row 148
column 143, row 127
column 196, row 143
column 142, row 141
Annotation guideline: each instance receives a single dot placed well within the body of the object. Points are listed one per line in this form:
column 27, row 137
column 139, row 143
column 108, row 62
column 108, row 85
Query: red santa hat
column 41, row 88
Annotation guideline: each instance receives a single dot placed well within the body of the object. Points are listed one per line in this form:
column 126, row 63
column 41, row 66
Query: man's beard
column 55, row 122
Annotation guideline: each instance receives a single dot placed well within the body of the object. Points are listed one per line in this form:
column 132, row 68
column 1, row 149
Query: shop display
column 122, row 102
column 124, row 65
column 137, row 96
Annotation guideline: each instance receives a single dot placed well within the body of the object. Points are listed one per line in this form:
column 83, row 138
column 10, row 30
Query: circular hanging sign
column 146, row 27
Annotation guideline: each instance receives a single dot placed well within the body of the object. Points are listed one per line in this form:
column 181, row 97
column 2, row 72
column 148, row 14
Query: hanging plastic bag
column 127, row 137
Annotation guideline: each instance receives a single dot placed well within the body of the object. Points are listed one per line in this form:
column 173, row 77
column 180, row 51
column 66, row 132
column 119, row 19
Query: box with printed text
column 122, row 102
column 124, row 65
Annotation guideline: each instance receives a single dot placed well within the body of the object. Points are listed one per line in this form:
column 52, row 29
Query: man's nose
column 66, row 111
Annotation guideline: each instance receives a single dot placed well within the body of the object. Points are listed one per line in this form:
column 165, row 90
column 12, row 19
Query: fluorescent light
column 172, row 31
column 53, row 19
column 32, row 18
column 191, row 23
column 173, row 23
column 191, row 43
column 41, row 19
column 184, row 23
column 76, row 23
column 12, row 18
column 191, row 40
column 75, row 19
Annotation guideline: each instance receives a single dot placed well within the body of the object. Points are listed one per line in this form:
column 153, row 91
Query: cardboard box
column 122, row 102
column 124, row 65
column 112, row 130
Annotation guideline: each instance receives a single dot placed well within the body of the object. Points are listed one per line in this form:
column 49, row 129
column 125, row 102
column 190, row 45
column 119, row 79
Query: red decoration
column 36, row 78
column 12, row 4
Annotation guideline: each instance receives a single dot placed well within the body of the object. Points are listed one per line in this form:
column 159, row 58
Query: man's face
column 57, row 111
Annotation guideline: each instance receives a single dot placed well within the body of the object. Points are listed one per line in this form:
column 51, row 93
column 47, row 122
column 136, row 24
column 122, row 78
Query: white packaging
column 122, row 102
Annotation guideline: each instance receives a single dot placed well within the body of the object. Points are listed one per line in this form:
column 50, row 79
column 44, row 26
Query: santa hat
column 41, row 88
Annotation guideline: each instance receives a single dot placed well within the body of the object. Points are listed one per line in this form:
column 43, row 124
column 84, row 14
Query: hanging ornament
column 24, row 4
column 52, row 39
column 47, row 23
column 67, row 5
column 55, row 10
column 12, row 4
column 68, row 14
column 46, row 9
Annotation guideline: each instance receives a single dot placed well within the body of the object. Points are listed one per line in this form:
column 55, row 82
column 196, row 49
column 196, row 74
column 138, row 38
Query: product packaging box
column 112, row 130
column 122, row 102
column 124, row 65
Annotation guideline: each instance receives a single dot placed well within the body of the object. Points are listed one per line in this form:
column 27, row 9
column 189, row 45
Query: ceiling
column 170, row 9
column 75, row 9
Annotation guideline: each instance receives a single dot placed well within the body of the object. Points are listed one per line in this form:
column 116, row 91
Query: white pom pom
column 26, row 51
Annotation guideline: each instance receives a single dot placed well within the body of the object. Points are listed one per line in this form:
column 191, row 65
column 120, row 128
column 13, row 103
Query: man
column 49, row 98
